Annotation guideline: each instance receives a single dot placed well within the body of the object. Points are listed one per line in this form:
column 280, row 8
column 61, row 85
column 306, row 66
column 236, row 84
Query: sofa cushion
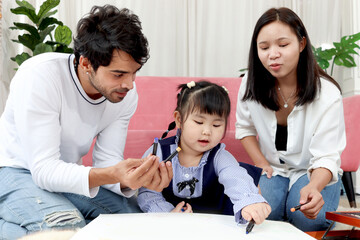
column 157, row 102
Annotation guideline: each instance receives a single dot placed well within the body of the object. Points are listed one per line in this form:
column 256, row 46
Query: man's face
column 115, row 80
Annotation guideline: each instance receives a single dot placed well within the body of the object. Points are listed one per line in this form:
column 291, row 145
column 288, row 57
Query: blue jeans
column 25, row 208
column 275, row 191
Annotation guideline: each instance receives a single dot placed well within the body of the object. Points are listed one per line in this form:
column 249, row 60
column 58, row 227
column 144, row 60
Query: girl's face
column 200, row 132
column 279, row 49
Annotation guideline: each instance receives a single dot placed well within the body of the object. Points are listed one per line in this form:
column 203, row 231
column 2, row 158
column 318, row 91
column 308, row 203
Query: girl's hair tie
column 227, row 91
column 190, row 84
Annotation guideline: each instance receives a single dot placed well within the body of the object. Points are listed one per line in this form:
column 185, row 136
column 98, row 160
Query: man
column 57, row 104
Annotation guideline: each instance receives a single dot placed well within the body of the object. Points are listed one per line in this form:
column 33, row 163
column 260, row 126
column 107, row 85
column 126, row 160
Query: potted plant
column 39, row 36
column 340, row 54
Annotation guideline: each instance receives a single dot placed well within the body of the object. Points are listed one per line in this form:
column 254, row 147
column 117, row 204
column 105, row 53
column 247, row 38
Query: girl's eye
column 283, row 45
column 215, row 125
column 197, row 122
column 264, row 48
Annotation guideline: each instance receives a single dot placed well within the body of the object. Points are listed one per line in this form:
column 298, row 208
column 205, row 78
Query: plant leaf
column 42, row 48
column 45, row 16
column 323, row 63
column 25, row 4
column 49, row 21
column 327, row 54
column 344, row 48
column 60, row 47
column 63, row 35
column 351, row 38
column 31, row 29
column 46, row 7
column 30, row 13
column 20, row 58
column 63, row 49
column 322, row 57
column 345, row 60
column 28, row 41
column 45, row 32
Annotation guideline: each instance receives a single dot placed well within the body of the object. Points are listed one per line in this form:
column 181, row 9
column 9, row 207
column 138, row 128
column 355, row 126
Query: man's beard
column 103, row 91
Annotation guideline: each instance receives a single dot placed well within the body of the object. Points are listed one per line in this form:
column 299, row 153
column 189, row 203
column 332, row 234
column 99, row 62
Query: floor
column 344, row 203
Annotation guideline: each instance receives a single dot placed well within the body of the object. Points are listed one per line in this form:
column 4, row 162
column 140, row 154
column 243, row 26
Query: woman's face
column 279, row 49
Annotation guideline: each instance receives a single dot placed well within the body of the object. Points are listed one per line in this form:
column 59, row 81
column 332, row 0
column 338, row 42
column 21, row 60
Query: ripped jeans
column 25, row 208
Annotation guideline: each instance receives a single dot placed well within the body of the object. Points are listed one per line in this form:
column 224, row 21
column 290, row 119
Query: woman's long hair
column 261, row 84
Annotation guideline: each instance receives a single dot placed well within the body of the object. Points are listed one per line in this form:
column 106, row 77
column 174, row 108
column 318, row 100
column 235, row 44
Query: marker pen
column 155, row 145
column 250, row 226
column 172, row 155
column 298, row 207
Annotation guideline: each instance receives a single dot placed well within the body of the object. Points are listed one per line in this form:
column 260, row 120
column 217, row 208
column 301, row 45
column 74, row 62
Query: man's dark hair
column 106, row 29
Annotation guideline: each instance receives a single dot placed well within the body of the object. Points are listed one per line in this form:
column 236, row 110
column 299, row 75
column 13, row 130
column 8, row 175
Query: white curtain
column 204, row 38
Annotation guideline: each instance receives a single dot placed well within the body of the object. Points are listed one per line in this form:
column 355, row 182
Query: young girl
column 203, row 169
column 296, row 111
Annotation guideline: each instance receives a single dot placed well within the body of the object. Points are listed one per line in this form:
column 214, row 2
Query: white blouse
column 316, row 133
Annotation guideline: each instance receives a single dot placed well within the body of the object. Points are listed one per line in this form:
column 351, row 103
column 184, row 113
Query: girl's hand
column 182, row 208
column 257, row 211
column 315, row 201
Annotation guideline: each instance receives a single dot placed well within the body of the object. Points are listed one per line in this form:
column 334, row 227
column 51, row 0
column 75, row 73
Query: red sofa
column 157, row 101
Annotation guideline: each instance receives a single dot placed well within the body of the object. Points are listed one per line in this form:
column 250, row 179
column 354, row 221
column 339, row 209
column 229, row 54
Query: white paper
column 184, row 226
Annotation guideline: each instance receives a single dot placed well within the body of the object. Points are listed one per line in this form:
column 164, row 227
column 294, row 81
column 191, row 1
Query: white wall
column 206, row 38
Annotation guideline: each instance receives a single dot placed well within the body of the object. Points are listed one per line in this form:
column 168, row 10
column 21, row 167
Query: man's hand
column 161, row 178
column 131, row 173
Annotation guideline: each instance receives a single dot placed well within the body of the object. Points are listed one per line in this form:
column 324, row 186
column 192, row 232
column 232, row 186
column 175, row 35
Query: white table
column 173, row 226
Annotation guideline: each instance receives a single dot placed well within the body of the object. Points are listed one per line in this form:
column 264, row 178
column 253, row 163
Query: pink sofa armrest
column 350, row 158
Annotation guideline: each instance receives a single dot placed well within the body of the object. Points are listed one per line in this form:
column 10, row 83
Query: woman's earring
column 87, row 73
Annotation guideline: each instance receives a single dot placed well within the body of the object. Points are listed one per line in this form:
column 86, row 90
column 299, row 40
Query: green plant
column 40, row 30
column 340, row 54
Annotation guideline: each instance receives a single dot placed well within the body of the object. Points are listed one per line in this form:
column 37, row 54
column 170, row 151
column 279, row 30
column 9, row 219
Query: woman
column 296, row 111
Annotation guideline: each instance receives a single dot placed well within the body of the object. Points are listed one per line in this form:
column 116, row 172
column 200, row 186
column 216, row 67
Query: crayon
column 297, row 207
column 155, row 145
column 250, row 226
column 172, row 155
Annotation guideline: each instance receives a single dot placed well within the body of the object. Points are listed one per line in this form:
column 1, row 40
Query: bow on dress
column 191, row 183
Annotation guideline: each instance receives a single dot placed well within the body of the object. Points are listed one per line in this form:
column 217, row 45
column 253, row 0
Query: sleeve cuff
column 248, row 200
column 240, row 134
column 332, row 167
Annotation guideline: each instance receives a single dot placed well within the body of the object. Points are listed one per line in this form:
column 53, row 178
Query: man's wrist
column 101, row 176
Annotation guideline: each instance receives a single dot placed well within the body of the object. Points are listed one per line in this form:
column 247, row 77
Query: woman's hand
column 311, row 193
column 182, row 208
column 315, row 201
column 257, row 211
column 267, row 169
